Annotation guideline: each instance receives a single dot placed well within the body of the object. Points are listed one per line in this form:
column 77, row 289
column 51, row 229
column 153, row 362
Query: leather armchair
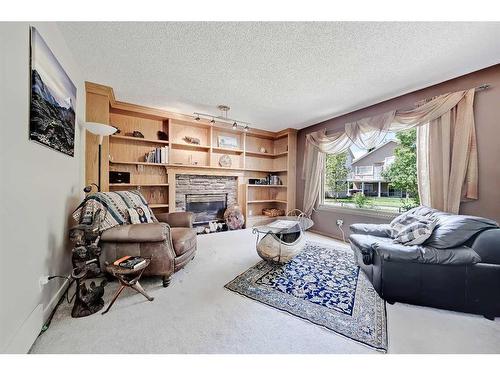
column 465, row 278
column 171, row 243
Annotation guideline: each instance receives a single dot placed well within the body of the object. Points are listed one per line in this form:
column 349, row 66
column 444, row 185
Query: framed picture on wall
column 52, row 99
column 227, row 141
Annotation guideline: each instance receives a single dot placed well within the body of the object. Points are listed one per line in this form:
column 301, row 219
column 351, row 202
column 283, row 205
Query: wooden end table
column 127, row 278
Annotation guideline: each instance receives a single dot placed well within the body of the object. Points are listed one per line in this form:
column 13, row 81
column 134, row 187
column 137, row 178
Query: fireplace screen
column 206, row 207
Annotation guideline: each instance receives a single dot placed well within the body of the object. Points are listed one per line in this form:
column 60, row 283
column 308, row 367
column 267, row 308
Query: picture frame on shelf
column 227, row 141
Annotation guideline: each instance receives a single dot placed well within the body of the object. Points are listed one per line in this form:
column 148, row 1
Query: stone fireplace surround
column 203, row 184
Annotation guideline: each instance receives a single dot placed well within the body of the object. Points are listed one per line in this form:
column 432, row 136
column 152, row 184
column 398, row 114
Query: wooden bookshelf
column 137, row 139
column 256, row 154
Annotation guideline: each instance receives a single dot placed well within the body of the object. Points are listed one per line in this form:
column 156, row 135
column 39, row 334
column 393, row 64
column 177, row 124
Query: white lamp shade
column 102, row 130
column 99, row 129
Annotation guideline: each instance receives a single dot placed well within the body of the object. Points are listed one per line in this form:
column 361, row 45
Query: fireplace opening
column 206, row 207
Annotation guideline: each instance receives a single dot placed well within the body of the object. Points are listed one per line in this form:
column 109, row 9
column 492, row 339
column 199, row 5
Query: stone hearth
column 196, row 184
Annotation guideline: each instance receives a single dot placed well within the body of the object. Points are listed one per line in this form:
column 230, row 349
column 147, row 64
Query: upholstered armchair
column 171, row 243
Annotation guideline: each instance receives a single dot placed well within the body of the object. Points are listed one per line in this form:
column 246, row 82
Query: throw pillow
column 415, row 211
column 414, row 231
column 140, row 215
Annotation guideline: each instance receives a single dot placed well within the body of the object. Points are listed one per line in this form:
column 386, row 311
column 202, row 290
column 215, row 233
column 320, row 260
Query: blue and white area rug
column 324, row 286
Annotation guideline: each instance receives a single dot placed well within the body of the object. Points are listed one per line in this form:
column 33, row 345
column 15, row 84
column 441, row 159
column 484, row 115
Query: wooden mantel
column 122, row 152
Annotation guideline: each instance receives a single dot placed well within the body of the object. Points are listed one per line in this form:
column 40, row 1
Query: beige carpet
column 196, row 314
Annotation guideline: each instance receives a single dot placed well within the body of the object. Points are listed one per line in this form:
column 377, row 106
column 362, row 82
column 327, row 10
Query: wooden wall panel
column 143, row 174
column 127, row 124
column 122, row 150
column 181, row 129
column 255, row 143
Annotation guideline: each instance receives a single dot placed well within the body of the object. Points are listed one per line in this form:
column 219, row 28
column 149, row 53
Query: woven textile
column 322, row 285
column 111, row 208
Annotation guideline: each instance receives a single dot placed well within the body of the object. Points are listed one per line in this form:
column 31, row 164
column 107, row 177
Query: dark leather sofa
column 463, row 278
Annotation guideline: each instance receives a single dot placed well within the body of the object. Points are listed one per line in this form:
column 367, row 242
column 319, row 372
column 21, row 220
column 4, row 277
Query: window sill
column 358, row 211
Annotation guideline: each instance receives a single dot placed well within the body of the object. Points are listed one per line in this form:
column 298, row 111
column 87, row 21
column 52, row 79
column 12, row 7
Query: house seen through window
column 382, row 179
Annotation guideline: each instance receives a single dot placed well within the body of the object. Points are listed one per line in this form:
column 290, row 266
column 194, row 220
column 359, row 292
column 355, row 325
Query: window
column 384, row 179
column 364, row 170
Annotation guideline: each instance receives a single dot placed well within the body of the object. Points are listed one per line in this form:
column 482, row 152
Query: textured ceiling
column 276, row 75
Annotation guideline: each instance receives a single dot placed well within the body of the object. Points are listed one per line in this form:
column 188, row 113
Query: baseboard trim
column 326, row 235
column 47, row 311
column 32, row 326
column 27, row 333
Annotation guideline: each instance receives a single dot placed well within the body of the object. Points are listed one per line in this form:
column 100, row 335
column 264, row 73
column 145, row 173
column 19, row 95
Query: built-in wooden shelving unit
column 257, row 154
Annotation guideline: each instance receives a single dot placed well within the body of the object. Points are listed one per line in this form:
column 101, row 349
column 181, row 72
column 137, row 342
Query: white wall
column 39, row 188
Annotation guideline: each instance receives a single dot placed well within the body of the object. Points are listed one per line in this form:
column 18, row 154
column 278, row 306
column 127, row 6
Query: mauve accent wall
column 487, row 116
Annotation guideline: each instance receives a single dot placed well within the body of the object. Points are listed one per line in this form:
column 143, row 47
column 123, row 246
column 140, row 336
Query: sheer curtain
column 452, row 147
column 447, row 167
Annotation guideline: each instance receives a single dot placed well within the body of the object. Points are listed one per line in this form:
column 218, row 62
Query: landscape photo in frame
column 53, row 99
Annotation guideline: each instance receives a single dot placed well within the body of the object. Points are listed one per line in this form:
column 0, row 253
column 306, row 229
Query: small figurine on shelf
column 162, row 136
column 135, row 134
column 192, row 140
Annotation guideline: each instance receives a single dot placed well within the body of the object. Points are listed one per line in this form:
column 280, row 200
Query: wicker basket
column 273, row 212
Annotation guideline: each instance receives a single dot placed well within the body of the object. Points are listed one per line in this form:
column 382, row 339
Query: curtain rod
column 484, row 86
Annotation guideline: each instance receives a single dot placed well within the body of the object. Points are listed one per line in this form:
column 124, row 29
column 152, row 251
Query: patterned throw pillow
column 140, row 215
column 413, row 230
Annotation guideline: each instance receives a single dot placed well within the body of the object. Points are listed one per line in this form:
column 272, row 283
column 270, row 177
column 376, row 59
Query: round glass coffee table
column 282, row 239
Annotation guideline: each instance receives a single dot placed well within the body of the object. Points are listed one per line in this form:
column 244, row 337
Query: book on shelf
column 158, row 155
column 130, row 262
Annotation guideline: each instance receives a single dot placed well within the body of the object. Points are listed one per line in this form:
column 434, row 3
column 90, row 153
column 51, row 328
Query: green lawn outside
column 372, row 201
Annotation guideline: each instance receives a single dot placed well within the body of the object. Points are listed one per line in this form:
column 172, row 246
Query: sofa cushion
column 364, row 241
column 183, row 239
column 455, row 230
column 426, row 254
column 379, row 230
column 390, row 251
column 152, row 232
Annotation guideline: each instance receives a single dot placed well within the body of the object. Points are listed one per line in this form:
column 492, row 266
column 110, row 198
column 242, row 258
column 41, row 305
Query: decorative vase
column 234, row 217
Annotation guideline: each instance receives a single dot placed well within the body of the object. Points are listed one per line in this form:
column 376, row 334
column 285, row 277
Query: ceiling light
column 222, row 118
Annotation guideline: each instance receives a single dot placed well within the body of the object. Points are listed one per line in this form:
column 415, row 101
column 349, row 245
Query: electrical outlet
column 340, row 222
column 42, row 281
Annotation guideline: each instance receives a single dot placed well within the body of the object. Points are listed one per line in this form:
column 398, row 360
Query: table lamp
column 102, row 130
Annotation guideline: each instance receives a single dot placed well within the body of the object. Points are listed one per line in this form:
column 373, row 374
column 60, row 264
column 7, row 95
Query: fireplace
column 206, row 207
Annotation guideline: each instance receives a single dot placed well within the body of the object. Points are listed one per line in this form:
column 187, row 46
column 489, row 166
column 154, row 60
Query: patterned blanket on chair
column 113, row 208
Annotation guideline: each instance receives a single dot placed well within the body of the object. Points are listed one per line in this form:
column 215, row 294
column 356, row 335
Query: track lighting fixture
column 222, row 118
